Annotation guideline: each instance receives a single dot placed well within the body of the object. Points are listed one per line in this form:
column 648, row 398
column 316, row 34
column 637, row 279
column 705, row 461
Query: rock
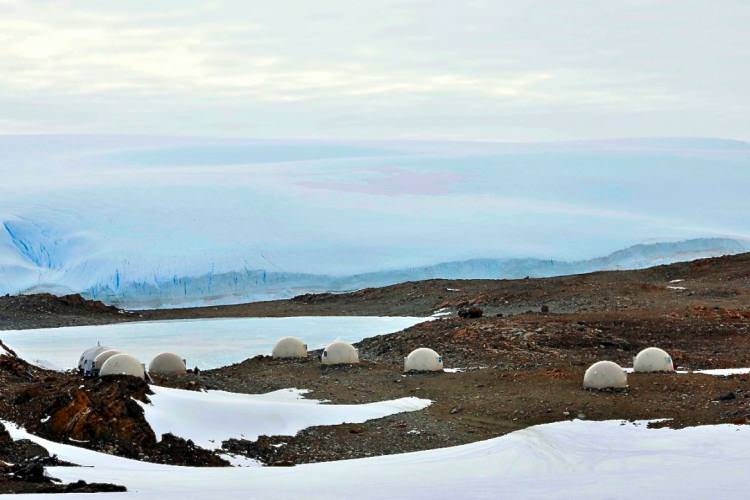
column 187, row 452
column 470, row 312
column 4, row 436
column 25, row 449
column 30, row 470
column 727, row 397
column 82, row 486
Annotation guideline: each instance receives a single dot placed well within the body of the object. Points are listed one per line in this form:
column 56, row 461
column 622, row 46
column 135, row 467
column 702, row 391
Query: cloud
column 522, row 69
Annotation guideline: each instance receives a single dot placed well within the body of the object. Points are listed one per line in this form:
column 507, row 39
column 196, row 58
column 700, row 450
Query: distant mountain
column 253, row 285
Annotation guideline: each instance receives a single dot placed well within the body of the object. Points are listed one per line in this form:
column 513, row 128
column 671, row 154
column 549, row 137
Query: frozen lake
column 205, row 343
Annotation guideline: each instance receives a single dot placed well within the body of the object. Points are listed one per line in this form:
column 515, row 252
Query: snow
column 679, row 288
column 724, row 372
column 462, row 370
column 718, row 372
column 240, row 461
column 441, row 313
column 570, row 459
column 248, row 416
column 205, row 343
column 677, row 281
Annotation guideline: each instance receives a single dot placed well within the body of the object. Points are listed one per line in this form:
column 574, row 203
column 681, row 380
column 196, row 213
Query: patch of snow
column 724, row 372
column 45, row 419
column 461, row 370
column 569, row 459
column 679, row 288
column 453, row 289
column 718, row 372
column 240, row 461
column 440, row 313
column 205, row 343
column 248, row 416
column 677, row 281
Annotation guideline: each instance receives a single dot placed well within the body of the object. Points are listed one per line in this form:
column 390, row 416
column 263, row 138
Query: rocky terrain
column 100, row 414
column 721, row 281
column 519, row 363
column 516, row 372
column 49, row 311
column 22, row 470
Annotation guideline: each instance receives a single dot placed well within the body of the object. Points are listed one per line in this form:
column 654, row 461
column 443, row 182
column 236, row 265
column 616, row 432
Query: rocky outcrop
column 22, row 470
column 102, row 414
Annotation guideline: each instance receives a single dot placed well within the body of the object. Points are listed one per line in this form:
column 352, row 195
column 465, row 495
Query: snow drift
column 572, row 459
column 248, row 416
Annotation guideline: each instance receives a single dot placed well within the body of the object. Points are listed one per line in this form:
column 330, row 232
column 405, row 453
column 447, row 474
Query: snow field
column 571, row 459
column 208, row 418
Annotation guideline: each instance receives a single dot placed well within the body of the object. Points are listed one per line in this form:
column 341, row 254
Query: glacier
column 159, row 221
column 254, row 285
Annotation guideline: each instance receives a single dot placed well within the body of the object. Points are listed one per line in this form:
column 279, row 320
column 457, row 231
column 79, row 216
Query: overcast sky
column 490, row 70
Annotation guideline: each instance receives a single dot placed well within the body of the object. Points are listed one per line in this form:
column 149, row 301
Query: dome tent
column 605, row 375
column 653, row 359
column 167, row 363
column 102, row 357
column 423, row 360
column 86, row 361
column 339, row 353
column 122, row 364
column 290, row 347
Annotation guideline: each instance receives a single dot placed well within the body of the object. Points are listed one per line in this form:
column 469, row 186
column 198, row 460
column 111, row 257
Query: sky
column 386, row 69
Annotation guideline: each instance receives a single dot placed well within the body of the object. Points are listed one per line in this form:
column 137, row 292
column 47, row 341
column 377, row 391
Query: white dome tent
column 653, row 359
column 339, row 353
column 605, row 375
column 101, row 358
column 123, row 364
column 289, row 347
column 86, row 361
column 167, row 363
column 423, row 360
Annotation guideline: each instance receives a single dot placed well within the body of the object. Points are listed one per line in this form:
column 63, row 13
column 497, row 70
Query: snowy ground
column 206, row 343
column 572, row 459
column 232, row 415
